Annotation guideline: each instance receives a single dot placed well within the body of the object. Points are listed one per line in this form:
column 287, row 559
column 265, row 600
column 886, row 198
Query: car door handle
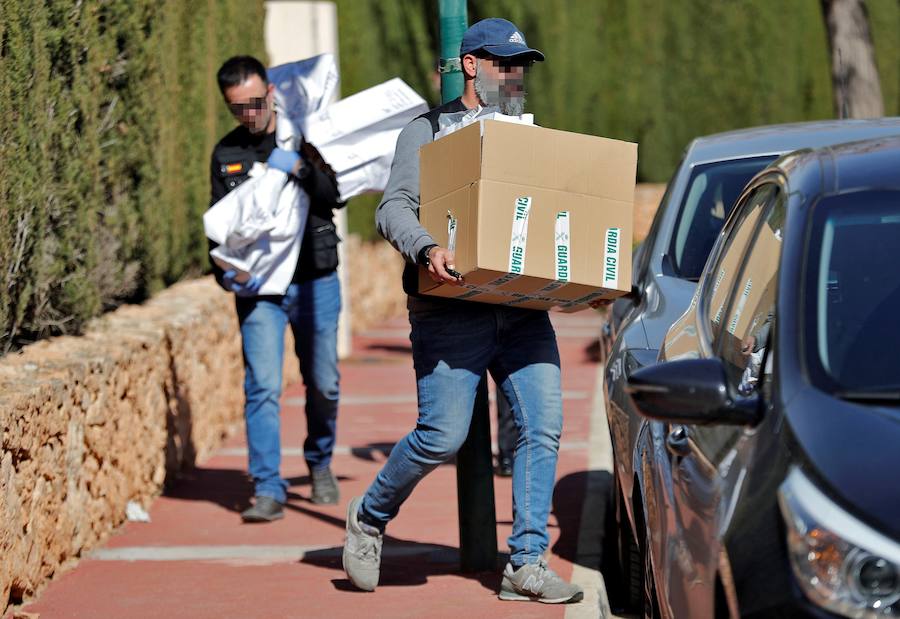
column 677, row 441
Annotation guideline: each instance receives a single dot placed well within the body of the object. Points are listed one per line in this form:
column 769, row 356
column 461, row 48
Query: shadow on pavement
column 592, row 544
column 228, row 488
column 405, row 349
column 231, row 489
column 367, row 452
column 403, row 563
column 569, row 497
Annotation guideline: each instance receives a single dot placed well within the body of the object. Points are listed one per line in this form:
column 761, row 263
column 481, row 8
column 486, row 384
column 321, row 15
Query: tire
column 651, row 599
column 625, row 583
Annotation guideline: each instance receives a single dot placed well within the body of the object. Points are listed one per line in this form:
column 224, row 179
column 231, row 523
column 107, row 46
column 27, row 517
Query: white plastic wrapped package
column 259, row 228
column 302, row 89
column 357, row 135
column 454, row 121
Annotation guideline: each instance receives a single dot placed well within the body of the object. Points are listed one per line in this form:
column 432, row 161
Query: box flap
column 537, row 156
column 449, row 163
column 457, row 209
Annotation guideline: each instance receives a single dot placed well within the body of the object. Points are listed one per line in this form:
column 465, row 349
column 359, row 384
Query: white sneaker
column 362, row 550
column 536, row 582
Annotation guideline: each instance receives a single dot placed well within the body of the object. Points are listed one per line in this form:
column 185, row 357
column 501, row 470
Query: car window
column 706, row 204
column 728, row 263
column 646, row 249
column 852, row 295
column 751, row 310
column 741, row 301
column 681, row 341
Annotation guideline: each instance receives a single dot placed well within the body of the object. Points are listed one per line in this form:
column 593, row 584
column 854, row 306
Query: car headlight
column 840, row 563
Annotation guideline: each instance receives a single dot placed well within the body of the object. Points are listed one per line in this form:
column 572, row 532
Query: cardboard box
column 538, row 218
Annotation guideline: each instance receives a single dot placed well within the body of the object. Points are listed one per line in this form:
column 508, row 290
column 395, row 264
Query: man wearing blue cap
column 454, row 342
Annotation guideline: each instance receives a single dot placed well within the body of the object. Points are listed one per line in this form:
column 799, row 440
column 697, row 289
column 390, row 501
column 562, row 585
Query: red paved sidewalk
column 195, row 559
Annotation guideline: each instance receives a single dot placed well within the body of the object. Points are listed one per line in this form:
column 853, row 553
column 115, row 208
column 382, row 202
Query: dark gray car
column 767, row 480
column 699, row 198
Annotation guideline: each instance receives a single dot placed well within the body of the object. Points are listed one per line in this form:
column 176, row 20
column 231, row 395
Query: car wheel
column 651, row 600
column 625, row 578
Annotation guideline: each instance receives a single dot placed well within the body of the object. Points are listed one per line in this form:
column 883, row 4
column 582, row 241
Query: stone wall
column 89, row 423
column 376, row 290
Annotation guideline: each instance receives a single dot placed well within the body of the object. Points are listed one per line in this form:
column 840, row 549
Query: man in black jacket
column 310, row 305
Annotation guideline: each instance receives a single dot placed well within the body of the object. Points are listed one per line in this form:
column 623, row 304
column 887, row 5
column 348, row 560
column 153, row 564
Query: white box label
column 451, row 232
column 562, row 251
column 519, row 235
column 611, row 257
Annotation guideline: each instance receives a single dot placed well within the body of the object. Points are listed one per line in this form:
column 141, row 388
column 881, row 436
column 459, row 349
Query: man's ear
column 469, row 66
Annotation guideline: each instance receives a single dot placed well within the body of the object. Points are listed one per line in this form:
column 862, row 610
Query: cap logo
column 516, row 37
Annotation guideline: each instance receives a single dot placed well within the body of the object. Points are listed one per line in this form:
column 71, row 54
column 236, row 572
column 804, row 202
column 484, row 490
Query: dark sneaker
column 265, row 509
column 535, row 582
column 504, row 467
column 362, row 550
column 324, row 487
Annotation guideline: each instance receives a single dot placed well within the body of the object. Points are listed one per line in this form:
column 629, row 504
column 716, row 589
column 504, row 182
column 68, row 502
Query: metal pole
column 474, row 474
column 475, row 491
column 453, row 25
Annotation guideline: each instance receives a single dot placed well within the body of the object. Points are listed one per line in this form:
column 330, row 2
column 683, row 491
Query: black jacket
column 232, row 159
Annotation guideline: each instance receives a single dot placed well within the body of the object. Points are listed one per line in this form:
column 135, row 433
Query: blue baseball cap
column 497, row 37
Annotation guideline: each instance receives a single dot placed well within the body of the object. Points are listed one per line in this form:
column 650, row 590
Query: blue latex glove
column 283, row 160
column 249, row 288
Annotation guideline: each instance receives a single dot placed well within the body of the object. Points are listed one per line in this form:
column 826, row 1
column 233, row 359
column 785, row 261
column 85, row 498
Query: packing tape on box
column 583, row 300
column 611, row 257
column 519, row 237
column 473, row 290
column 494, row 287
column 561, row 236
column 562, row 254
column 516, row 298
column 451, row 232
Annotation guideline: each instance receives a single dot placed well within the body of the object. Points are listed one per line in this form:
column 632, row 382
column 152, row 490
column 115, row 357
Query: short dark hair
column 237, row 69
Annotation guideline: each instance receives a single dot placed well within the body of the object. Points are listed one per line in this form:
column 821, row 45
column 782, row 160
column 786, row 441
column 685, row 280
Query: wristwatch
column 424, row 260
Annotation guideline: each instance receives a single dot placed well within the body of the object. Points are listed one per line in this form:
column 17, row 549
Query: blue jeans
column 452, row 347
column 311, row 308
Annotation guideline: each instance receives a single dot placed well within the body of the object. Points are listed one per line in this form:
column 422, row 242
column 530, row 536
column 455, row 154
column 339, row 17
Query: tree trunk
column 857, row 91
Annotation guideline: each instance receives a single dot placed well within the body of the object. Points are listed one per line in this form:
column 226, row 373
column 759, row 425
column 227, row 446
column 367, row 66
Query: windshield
column 711, row 193
column 853, row 292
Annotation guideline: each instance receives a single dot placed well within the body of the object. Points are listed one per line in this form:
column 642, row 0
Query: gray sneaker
column 324, row 487
column 362, row 550
column 535, row 582
column 265, row 509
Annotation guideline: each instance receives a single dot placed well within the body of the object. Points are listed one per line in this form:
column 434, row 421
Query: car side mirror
column 690, row 391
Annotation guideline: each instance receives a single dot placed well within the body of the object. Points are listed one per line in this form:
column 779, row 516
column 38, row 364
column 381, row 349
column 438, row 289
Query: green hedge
column 109, row 112
column 109, row 109
column 655, row 72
